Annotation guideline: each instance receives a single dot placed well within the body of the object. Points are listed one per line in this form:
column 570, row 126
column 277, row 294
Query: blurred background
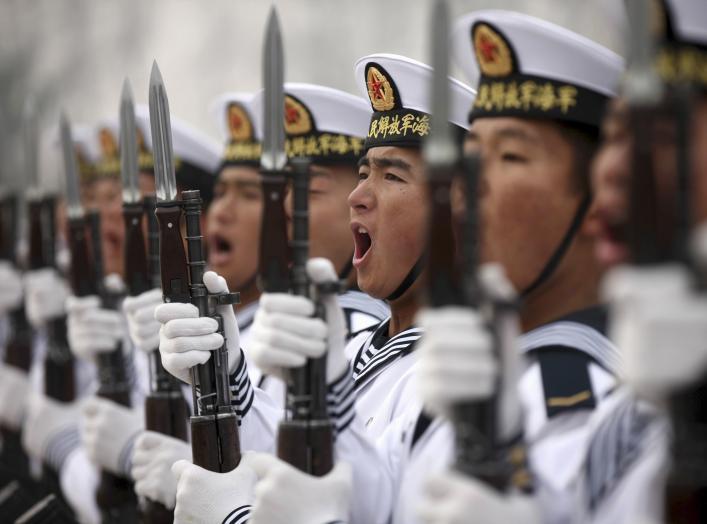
column 74, row 54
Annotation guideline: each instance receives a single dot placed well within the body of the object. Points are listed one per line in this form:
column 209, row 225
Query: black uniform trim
column 424, row 421
column 379, row 351
column 341, row 399
column 242, row 392
column 566, row 382
column 239, row 515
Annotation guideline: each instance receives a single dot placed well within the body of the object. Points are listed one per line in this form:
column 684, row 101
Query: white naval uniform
column 406, row 451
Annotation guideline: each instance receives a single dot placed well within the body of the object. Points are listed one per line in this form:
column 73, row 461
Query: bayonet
column 30, row 145
column 73, row 195
column 160, row 126
column 128, row 146
column 440, row 147
column 273, row 157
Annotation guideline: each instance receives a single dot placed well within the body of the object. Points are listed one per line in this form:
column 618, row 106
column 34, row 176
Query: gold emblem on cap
column 239, row 125
column 297, row 119
column 108, row 143
column 492, row 52
column 379, row 90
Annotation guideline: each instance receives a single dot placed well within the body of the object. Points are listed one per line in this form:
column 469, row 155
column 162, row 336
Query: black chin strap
column 556, row 257
column 408, row 281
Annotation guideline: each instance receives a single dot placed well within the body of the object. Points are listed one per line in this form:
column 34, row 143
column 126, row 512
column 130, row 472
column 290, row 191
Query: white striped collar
column 378, row 351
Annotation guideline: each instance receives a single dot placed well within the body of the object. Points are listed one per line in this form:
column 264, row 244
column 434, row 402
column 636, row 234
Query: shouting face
column 388, row 217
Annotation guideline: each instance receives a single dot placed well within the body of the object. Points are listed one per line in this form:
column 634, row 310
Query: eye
column 393, row 178
column 362, row 176
column 514, row 158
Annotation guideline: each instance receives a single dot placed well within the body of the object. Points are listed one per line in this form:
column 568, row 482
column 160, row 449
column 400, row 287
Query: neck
column 248, row 295
column 573, row 287
column 402, row 312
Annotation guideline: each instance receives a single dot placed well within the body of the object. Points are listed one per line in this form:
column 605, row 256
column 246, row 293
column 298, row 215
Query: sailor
column 657, row 315
column 327, row 126
column 541, row 95
column 108, row 430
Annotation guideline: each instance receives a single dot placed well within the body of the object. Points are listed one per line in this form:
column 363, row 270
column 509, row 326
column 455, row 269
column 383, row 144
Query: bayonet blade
column 128, row 146
column 273, row 157
column 641, row 86
column 30, row 144
column 73, row 196
column 161, row 128
column 440, row 147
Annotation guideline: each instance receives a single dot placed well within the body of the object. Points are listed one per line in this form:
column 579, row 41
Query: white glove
column 207, row 497
column 91, row 329
column 450, row 498
column 14, row 388
column 153, row 457
column 285, row 495
column 108, row 431
column 10, row 287
column 186, row 339
column 285, row 334
column 144, row 329
column 659, row 323
column 458, row 361
column 49, row 428
column 45, row 295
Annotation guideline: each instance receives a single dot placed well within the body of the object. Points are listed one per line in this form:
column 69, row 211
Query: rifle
column 115, row 496
column 305, row 435
column 165, row 408
column 476, row 447
column 18, row 349
column 214, row 432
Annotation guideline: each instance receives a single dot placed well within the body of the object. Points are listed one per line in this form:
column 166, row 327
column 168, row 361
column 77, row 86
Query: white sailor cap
column 323, row 124
column 241, row 127
column 682, row 54
column 398, row 89
column 527, row 67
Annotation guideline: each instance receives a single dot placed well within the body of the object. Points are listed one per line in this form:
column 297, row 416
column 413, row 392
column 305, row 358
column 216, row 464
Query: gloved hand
column 458, row 360
column 10, row 287
column 108, row 431
column 285, row 334
column 153, row 457
column 285, row 495
column 91, row 329
column 659, row 323
column 50, row 429
column 14, row 388
column 45, row 295
column 144, row 329
column 449, row 496
column 207, row 497
column 186, row 339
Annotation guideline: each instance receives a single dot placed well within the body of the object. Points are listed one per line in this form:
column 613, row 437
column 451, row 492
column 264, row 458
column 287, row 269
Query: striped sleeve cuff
column 242, row 392
column 341, row 398
column 238, row 516
column 60, row 446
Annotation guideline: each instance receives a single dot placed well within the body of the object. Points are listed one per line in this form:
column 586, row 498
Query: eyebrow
column 382, row 163
column 239, row 183
column 505, row 132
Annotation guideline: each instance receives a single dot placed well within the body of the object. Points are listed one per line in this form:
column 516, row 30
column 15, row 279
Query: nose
column 362, row 198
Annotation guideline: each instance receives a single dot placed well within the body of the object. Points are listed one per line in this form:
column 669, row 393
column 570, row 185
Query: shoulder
column 572, row 367
column 362, row 311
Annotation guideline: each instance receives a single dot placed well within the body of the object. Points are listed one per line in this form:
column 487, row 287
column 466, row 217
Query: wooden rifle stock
column 452, row 281
column 305, row 436
column 115, row 495
column 165, row 408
